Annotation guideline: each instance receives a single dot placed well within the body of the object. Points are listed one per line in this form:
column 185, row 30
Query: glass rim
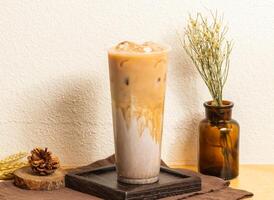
column 226, row 104
column 167, row 49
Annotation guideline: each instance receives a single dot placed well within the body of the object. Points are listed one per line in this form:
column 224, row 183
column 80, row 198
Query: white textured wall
column 54, row 75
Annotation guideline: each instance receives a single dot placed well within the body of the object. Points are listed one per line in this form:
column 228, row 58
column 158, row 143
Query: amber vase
column 219, row 142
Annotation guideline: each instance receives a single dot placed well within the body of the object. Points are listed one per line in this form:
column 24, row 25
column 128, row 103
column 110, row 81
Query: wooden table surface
column 258, row 179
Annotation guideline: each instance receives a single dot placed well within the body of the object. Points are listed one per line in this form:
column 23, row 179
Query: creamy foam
column 132, row 47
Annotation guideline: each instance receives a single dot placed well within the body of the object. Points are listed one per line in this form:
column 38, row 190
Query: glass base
column 138, row 181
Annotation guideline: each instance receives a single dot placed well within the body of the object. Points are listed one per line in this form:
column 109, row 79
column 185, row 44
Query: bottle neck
column 218, row 113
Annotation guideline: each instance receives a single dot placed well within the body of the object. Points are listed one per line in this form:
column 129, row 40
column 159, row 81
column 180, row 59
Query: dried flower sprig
column 10, row 164
column 207, row 47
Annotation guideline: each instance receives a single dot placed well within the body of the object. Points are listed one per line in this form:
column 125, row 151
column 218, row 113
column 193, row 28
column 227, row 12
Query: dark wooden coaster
column 102, row 182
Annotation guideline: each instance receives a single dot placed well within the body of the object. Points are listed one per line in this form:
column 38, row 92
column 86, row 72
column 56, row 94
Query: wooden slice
column 24, row 178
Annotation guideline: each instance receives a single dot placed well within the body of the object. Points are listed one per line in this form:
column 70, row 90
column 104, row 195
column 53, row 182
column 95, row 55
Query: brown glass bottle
column 219, row 142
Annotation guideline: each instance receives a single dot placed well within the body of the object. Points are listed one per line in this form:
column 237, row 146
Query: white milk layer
column 137, row 155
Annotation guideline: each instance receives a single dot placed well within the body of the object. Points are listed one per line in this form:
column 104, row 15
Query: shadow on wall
column 67, row 121
column 183, row 72
column 77, row 117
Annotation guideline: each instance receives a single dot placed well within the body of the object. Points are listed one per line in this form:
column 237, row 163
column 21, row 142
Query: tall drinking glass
column 138, row 82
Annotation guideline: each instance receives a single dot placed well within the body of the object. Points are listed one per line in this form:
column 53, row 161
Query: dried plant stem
column 13, row 158
column 209, row 51
column 10, row 164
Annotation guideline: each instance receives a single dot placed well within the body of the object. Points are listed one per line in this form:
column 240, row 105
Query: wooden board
column 102, row 182
column 24, row 178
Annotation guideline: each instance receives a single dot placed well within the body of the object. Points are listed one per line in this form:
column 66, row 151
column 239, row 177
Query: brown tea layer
column 149, row 117
column 138, row 79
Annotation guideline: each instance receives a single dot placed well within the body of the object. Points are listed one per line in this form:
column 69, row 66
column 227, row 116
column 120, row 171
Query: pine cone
column 42, row 161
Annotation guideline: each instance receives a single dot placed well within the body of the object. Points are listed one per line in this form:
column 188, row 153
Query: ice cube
column 147, row 49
